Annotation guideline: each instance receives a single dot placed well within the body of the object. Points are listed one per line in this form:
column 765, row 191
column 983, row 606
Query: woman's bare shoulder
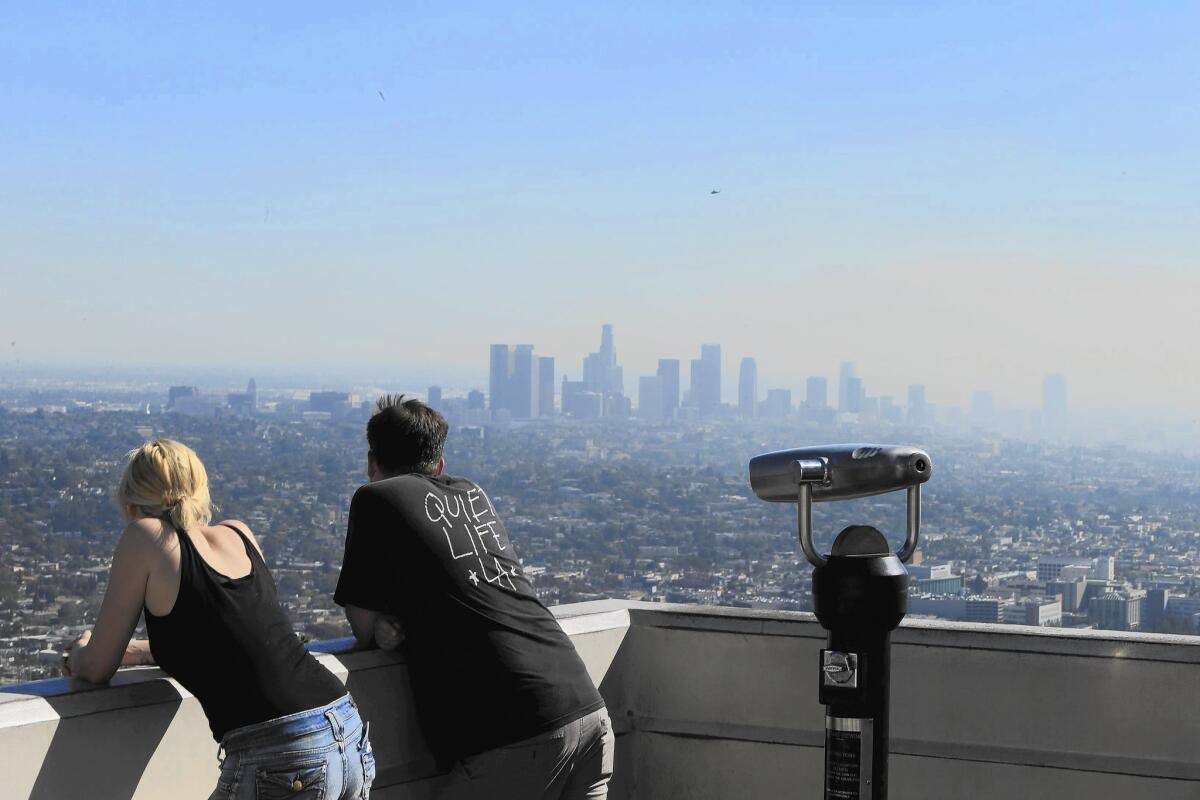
column 244, row 528
column 147, row 536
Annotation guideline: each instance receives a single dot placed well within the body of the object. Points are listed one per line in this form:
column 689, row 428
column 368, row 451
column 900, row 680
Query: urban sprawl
column 606, row 500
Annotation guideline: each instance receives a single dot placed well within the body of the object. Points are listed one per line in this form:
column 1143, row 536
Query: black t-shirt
column 489, row 663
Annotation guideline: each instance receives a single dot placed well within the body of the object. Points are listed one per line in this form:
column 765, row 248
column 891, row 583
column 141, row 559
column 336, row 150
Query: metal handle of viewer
column 806, row 472
column 812, row 471
column 914, row 524
column 804, row 507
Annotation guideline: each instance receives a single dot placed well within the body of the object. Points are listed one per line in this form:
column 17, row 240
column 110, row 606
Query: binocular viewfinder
column 842, row 472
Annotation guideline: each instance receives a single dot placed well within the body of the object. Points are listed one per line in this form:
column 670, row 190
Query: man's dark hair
column 406, row 435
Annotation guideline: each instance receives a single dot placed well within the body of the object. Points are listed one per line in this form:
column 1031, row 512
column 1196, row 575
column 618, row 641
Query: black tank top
column 229, row 643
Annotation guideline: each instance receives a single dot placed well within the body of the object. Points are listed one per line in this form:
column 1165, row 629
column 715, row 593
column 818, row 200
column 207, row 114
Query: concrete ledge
column 144, row 736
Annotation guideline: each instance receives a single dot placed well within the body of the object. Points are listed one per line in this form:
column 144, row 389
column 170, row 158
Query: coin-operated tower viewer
column 860, row 594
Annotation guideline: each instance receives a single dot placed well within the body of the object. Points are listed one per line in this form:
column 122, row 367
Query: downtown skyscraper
column 601, row 372
column 668, row 373
column 816, row 392
column 748, row 388
column 601, row 393
column 846, row 395
column 515, row 381
column 546, row 386
column 706, row 379
column 500, row 367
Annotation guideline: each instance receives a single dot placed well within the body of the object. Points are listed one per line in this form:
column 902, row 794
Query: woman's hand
column 73, row 650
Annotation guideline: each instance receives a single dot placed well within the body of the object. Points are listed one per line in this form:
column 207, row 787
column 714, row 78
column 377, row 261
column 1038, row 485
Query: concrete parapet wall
column 725, row 706
column 707, row 703
column 145, row 737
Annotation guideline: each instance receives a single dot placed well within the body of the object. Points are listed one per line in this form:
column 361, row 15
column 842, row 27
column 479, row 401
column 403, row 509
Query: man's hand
column 389, row 633
column 137, row 654
column 73, row 649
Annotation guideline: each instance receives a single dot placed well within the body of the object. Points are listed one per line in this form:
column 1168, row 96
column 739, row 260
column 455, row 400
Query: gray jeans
column 574, row 762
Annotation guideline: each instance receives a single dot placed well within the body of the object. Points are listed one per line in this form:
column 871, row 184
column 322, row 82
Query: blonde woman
column 285, row 724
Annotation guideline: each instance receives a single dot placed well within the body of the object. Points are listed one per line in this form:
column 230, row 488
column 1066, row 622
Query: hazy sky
column 965, row 195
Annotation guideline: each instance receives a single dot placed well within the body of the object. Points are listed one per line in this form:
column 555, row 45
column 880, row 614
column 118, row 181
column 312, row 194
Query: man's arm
column 362, row 623
column 374, row 627
column 368, row 572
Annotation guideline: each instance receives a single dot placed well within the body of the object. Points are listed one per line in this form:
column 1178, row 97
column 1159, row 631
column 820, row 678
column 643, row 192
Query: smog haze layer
column 967, row 198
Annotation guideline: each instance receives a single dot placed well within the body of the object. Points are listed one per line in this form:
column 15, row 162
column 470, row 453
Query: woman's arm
column 96, row 655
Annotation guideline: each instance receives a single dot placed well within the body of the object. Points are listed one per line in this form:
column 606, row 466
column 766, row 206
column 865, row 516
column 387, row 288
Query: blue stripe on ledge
column 52, row 687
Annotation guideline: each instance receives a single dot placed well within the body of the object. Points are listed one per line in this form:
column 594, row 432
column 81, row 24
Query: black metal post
column 859, row 596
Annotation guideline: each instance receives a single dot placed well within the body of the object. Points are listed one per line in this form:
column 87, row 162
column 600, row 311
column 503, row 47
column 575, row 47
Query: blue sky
column 226, row 184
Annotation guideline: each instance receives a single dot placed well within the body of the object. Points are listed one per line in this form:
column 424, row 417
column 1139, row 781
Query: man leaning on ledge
column 504, row 700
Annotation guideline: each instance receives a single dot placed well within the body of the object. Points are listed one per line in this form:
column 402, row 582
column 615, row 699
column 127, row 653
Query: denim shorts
column 319, row 754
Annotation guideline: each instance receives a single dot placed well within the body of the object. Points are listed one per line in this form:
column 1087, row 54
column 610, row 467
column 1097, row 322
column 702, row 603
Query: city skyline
column 543, row 371
column 723, row 388
column 519, row 390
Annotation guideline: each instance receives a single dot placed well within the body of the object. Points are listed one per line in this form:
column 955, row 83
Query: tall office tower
column 433, row 398
column 252, row 391
column 1054, row 403
column 593, row 371
column 918, row 412
column 854, row 395
column 845, row 373
column 475, row 400
column 546, row 386
column 777, row 405
column 816, row 392
column 706, row 379
column 983, row 409
column 747, row 387
column 572, row 391
column 607, row 350
column 650, row 397
column 668, row 370
column 498, row 379
column 523, row 383
column 601, row 373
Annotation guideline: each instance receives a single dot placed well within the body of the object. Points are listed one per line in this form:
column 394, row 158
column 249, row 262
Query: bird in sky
column 715, row 191
column 381, row 97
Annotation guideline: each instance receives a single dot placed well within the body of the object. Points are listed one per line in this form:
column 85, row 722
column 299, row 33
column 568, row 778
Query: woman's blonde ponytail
column 166, row 479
